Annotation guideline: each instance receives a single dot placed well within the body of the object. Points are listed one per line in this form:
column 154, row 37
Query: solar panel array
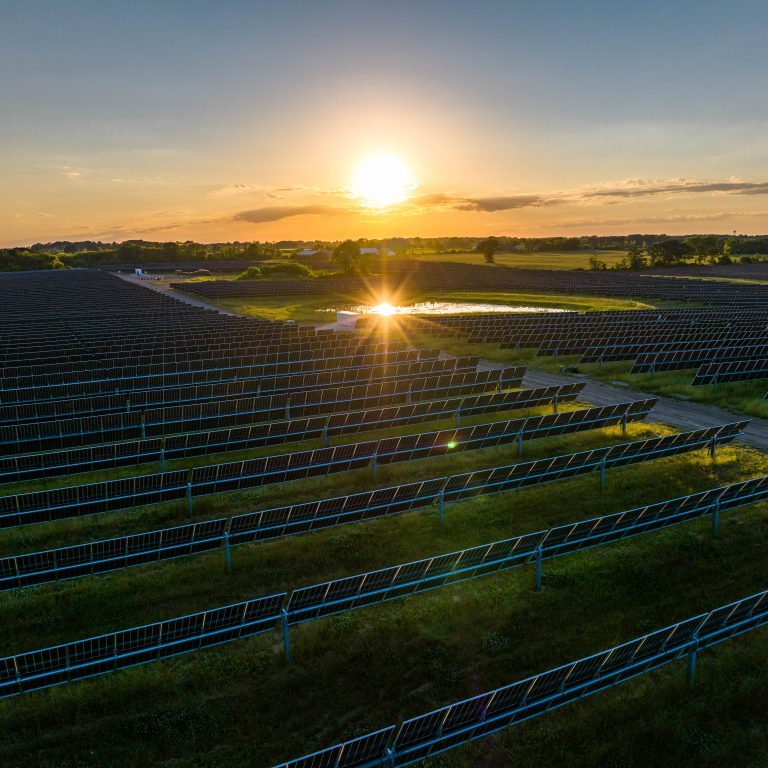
column 125, row 493
column 194, row 538
column 97, row 373
column 725, row 344
column 181, row 446
column 403, row 277
column 99, row 655
column 49, row 434
column 435, row 732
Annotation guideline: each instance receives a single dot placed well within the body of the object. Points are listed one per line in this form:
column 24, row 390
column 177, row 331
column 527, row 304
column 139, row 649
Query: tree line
column 702, row 249
column 642, row 250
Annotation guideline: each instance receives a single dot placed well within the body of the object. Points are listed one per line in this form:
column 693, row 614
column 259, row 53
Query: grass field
column 536, row 260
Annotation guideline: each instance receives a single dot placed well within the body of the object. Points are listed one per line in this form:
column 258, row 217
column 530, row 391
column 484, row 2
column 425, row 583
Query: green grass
column 240, row 705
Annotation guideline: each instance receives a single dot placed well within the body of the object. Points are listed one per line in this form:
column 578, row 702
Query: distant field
column 542, row 260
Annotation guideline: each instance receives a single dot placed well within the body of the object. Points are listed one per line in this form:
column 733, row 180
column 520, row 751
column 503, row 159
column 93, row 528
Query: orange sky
column 248, row 122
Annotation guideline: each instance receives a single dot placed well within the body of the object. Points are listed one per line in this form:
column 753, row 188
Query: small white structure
column 138, row 272
column 347, row 319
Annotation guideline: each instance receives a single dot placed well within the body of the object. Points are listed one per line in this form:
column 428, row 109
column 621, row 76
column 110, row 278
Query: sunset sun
column 381, row 181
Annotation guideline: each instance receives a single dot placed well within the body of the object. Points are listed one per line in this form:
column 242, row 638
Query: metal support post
column 519, row 443
column 624, row 425
column 189, row 498
column 227, row 552
column 375, row 467
column 286, row 637
column 458, row 417
column 554, row 401
column 539, row 554
column 692, row 651
column 441, row 506
column 602, row 474
column 713, row 449
column 326, row 442
column 715, row 519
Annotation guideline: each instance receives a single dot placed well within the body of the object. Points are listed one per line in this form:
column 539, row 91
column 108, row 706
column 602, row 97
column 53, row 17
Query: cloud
column 230, row 190
column 279, row 212
column 642, row 188
column 504, row 203
column 491, row 204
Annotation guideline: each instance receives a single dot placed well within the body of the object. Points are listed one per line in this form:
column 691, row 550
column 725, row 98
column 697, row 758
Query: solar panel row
column 204, row 393
column 112, row 495
column 110, row 455
column 435, row 732
column 728, row 345
column 93, row 656
column 28, row 437
column 23, row 392
column 138, row 549
column 406, row 277
column 119, row 365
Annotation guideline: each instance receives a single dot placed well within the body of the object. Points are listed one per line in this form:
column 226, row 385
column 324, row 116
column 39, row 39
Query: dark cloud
column 641, row 189
column 485, row 204
column 278, row 212
column 504, row 203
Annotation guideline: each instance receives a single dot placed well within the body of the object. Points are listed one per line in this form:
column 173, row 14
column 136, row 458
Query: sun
column 382, row 181
column 384, row 309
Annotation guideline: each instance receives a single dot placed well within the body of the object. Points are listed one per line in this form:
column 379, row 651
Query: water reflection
column 445, row 308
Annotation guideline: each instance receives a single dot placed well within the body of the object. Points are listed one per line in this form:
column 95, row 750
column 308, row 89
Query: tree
column 703, row 246
column 635, row 258
column 347, row 257
column 488, row 248
column 596, row 265
column 730, row 248
column 667, row 253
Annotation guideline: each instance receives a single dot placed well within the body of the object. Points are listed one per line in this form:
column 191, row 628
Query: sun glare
column 381, row 181
column 384, row 309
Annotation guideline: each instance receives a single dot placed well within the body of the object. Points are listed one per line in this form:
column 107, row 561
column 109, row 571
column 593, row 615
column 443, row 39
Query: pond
column 446, row 308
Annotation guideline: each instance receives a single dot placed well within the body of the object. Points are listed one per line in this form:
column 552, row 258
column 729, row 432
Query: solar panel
column 361, row 752
column 456, row 724
column 25, row 672
column 137, row 549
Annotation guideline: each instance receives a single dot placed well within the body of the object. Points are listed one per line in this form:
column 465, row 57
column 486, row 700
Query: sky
column 185, row 119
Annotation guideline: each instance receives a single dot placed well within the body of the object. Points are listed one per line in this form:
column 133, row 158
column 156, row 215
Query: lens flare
column 384, row 309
